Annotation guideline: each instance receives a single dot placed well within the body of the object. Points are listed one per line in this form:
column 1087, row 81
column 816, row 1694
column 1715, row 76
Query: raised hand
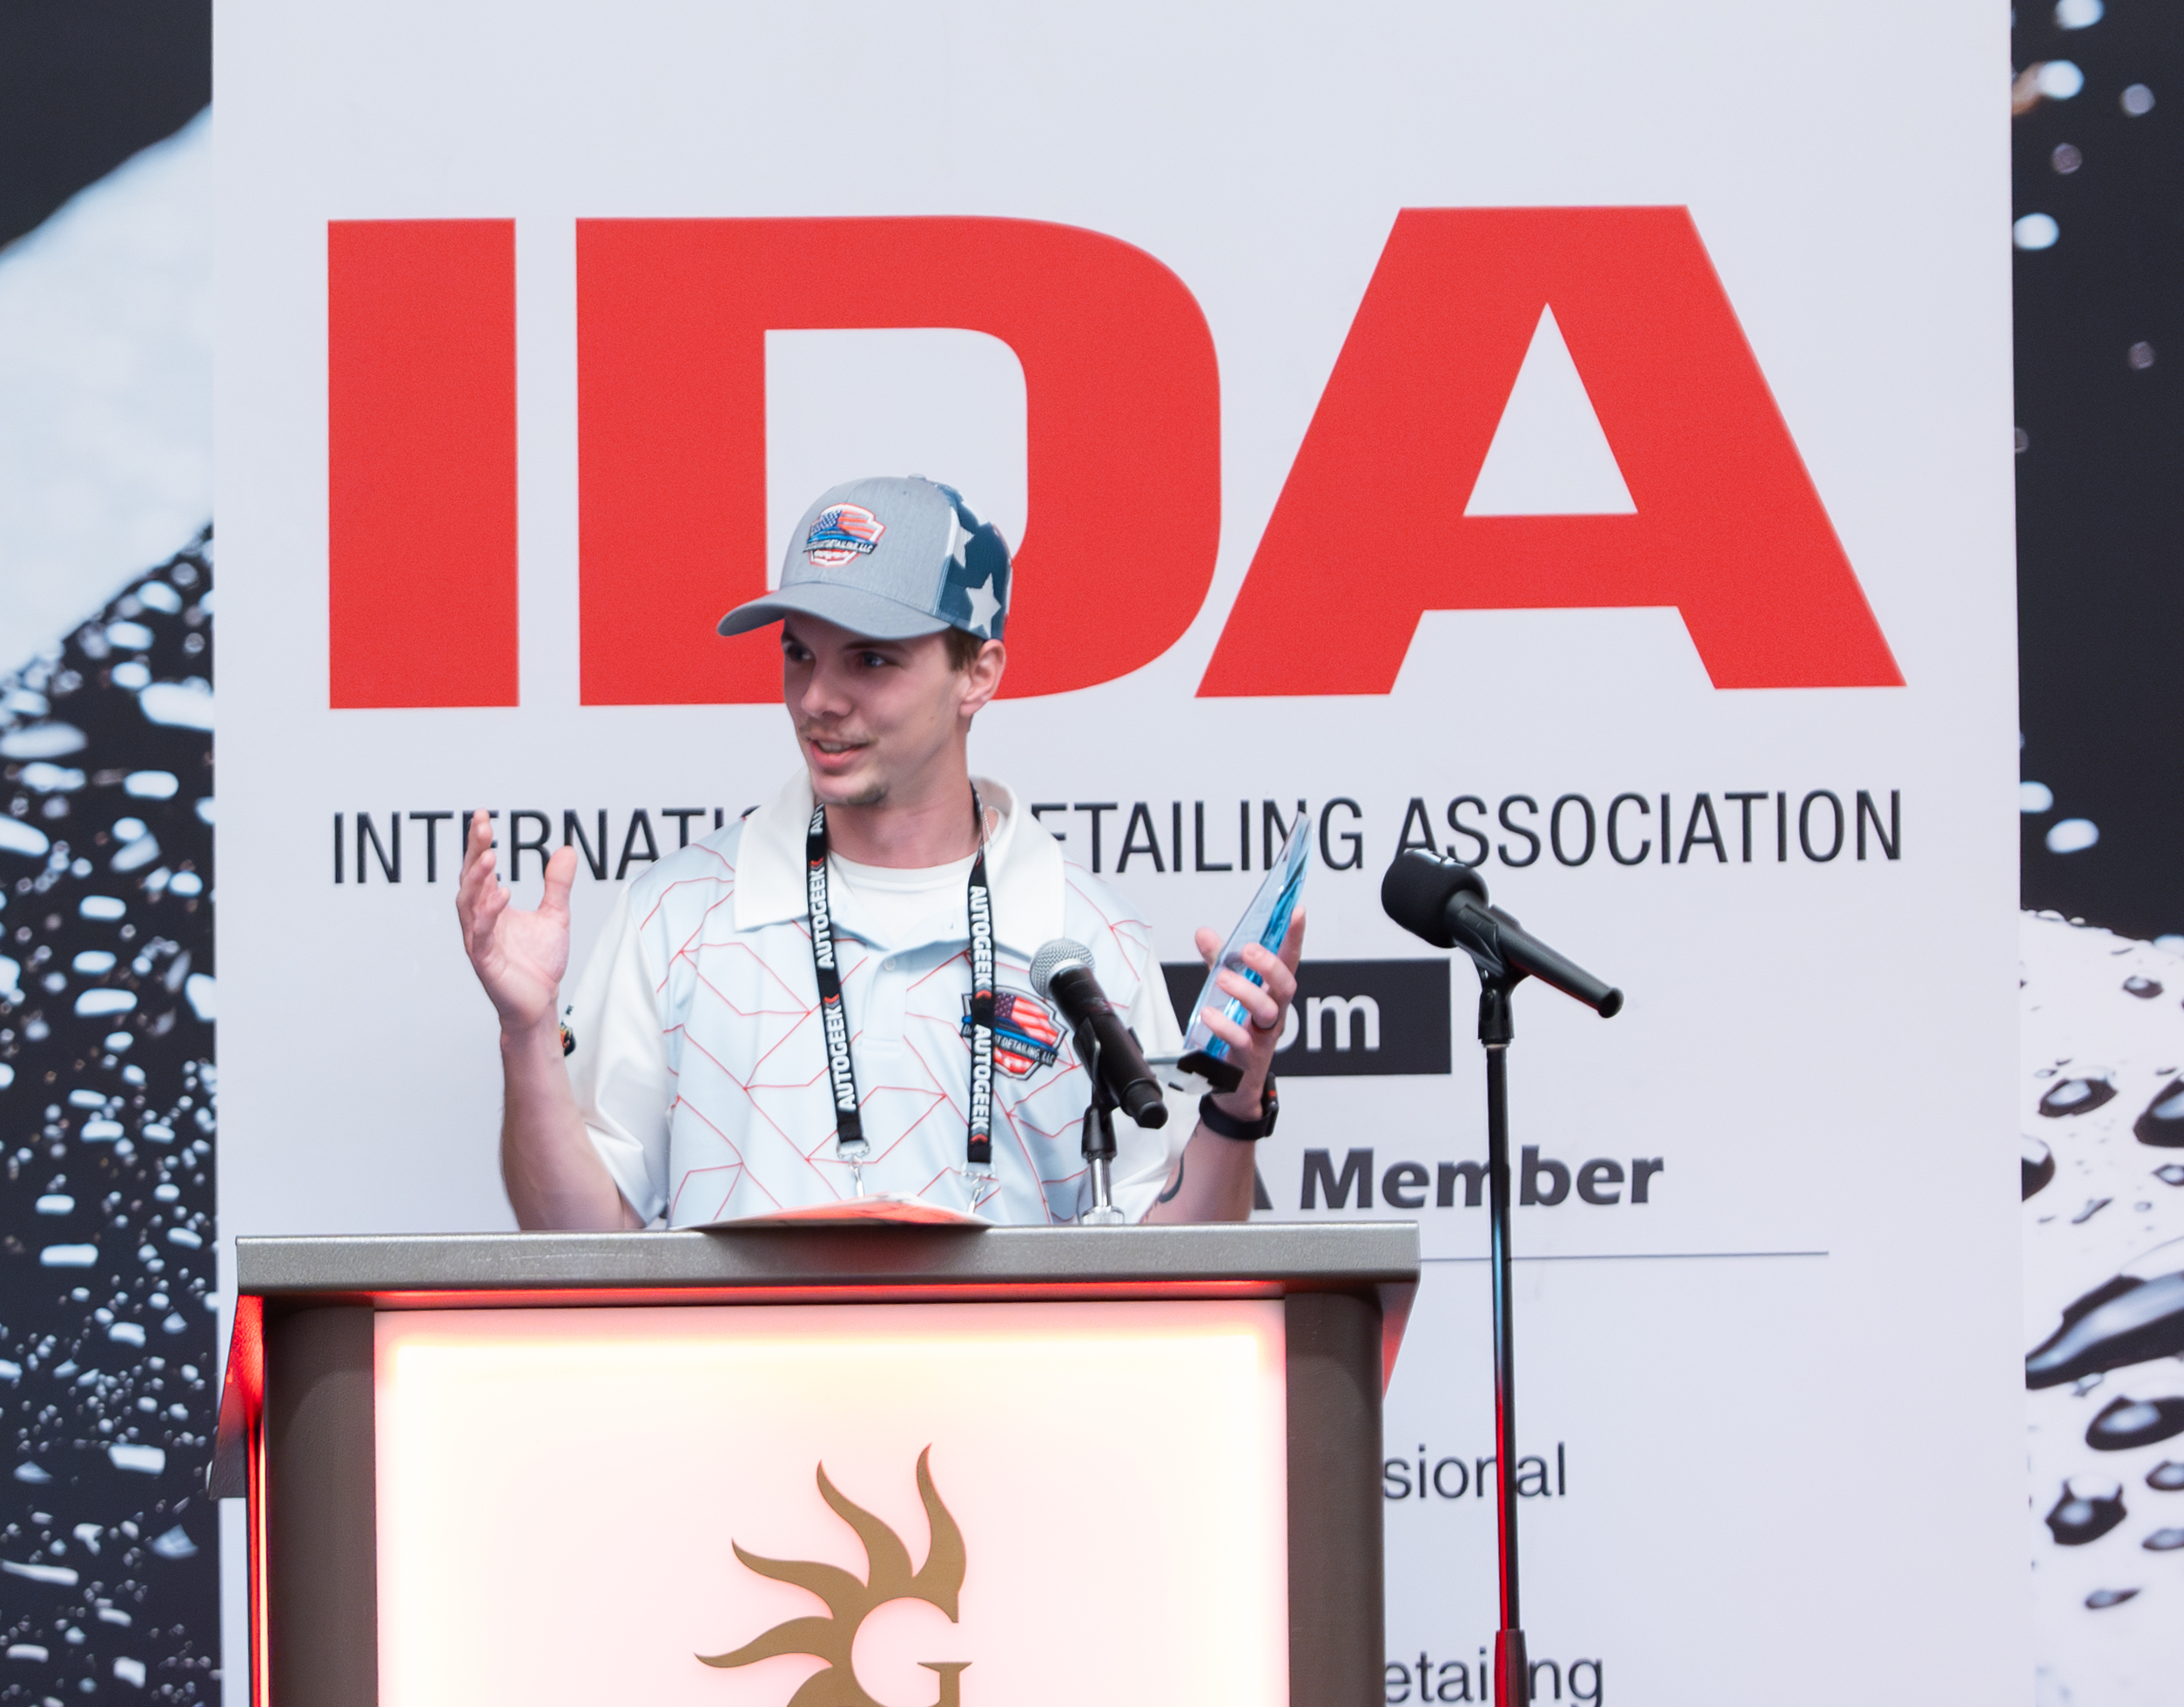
column 520, row 957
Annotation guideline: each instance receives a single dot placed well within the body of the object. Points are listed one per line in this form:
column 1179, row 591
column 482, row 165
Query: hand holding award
column 1265, row 925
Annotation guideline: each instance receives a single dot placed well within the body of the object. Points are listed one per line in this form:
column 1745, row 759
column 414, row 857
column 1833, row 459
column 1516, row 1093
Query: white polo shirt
column 701, row 1070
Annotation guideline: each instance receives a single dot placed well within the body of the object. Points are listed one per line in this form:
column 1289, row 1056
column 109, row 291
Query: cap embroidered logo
column 843, row 534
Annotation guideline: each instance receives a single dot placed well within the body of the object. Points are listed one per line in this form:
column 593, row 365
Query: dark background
column 2100, row 489
column 120, row 1350
column 84, row 84
column 110, row 1158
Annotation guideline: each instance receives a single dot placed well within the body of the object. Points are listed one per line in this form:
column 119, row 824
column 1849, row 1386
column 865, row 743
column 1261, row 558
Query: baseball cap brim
column 853, row 607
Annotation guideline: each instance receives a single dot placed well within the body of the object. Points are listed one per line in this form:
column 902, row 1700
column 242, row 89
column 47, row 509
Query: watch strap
column 1219, row 1121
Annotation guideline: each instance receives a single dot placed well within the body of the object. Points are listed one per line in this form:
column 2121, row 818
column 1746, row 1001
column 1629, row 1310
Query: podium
column 844, row 1467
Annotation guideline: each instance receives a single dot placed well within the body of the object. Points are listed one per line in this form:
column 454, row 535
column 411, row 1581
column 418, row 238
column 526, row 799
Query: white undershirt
column 895, row 900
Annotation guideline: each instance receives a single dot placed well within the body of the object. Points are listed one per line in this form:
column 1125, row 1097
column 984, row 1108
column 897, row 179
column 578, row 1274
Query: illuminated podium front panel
column 902, row 1468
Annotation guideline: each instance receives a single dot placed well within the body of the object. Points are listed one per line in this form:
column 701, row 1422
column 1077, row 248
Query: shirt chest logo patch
column 1026, row 1036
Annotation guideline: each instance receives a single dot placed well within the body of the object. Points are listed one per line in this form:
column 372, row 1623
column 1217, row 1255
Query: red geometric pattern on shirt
column 750, row 1126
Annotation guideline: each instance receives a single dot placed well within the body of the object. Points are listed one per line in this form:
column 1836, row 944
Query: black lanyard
column 850, row 1141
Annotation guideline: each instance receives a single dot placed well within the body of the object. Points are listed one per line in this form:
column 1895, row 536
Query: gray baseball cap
column 890, row 558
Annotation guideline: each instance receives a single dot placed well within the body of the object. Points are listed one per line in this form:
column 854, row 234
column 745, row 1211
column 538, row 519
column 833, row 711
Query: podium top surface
column 395, row 1270
column 1378, row 1260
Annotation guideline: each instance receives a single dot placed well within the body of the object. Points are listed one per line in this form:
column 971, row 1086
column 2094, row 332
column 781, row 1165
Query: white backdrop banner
column 1571, row 437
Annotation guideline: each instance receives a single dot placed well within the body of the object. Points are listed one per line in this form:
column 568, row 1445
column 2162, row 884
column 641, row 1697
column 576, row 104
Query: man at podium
column 782, row 1015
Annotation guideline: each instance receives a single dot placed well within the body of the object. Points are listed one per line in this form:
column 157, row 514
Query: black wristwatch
column 1245, row 1132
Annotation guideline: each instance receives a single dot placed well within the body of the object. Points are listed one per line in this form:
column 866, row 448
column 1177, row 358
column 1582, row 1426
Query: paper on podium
column 883, row 1208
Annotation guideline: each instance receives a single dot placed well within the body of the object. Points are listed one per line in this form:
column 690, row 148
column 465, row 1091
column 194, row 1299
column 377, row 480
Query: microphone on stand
column 1061, row 973
column 1432, row 896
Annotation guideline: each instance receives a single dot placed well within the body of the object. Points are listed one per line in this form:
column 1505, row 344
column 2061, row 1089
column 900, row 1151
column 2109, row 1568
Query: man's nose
column 824, row 695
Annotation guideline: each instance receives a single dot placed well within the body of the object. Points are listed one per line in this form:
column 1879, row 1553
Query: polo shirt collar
column 1024, row 864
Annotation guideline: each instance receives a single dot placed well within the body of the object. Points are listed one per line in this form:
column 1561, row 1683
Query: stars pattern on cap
column 984, row 607
column 976, row 594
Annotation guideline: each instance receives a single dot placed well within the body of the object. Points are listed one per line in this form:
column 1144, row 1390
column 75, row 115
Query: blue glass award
column 1265, row 922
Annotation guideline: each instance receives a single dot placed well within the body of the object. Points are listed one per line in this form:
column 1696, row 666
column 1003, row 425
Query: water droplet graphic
column 139, row 850
column 2037, row 1167
column 44, row 778
column 2086, row 1511
column 2060, row 79
column 2144, row 988
column 2078, row 1096
column 42, row 741
column 2167, row 1476
column 2034, row 797
column 2128, row 1422
column 2164, row 1541
column 2037, row 230
column 2162, row 1125
column 18, row 837
column 2100, row 1599
column 2139, row 356
column 152, row 1460
column 182, row 705
column 2171, row 1175
column 2135, row 1316
column 2093, row 1206
column 2137, row 100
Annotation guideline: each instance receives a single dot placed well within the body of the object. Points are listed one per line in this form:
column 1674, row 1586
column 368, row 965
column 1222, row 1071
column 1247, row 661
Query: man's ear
column 983, row 679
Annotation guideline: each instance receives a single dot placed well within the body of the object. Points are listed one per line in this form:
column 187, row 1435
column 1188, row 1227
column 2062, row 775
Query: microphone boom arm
column 1501, row 948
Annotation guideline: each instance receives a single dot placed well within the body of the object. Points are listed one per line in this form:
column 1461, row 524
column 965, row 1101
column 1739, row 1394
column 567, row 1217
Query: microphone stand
column 1499, row 975
column 1497, row 1028
column 1098, row 1145
column 1437, row 898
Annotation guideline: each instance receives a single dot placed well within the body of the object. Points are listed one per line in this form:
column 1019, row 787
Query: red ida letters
column 420, row 454
column 1123, row 420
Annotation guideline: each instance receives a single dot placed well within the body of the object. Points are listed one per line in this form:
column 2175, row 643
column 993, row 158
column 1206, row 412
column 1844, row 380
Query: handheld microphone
column 1434, row 897
column 1062, row 974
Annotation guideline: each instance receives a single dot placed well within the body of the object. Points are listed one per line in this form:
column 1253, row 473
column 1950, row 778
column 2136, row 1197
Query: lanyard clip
column 854, row 1152
column 984, row 1183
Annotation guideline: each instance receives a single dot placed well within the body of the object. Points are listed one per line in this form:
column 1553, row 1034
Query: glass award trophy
column 1265, row 922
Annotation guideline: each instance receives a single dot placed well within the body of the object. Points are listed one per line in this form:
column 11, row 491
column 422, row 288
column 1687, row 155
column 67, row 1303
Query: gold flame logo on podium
column 887, row 1576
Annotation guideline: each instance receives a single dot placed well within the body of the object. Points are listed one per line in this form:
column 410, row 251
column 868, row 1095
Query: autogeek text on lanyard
column 850, row 1141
